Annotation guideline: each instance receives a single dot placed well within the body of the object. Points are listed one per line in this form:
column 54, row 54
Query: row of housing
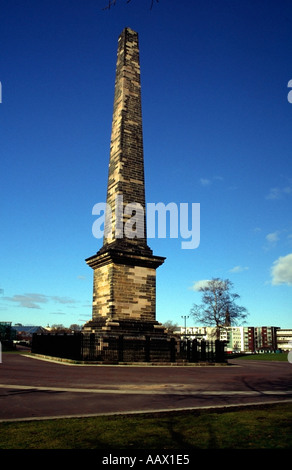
column 247, row 339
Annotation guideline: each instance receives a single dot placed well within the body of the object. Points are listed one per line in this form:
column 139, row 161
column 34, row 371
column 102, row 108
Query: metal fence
column 58, row 345
column 89, row 347
column 202, row 351
column 128, row 349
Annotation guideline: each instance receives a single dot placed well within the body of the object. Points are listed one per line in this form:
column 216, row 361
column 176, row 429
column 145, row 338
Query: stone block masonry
column 124, row 279
column 124, row 292
column 126, row 166
column 124, row 285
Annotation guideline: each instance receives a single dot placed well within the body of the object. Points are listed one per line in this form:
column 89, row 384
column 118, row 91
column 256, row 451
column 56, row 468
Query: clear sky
column 217, row 127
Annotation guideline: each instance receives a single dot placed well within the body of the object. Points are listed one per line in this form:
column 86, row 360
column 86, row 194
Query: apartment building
column 284, row 339
column 260, row 338
column 240, row 338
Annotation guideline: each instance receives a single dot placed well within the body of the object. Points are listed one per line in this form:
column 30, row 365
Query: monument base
column 111, row 341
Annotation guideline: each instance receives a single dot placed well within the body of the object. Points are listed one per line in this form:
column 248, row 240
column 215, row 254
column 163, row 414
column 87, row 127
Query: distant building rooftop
column 28, row 329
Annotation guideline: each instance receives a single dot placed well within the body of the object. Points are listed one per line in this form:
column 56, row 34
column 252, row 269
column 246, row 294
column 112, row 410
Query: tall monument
column 123, row 324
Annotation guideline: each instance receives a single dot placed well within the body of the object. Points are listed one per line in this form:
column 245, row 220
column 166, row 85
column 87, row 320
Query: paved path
column 31, row 388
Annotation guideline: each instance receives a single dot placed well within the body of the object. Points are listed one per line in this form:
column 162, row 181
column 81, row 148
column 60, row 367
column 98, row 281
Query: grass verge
column 261, row 427
column 264, row 357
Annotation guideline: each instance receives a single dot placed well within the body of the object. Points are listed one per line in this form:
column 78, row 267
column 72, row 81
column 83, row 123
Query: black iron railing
column 89, row 347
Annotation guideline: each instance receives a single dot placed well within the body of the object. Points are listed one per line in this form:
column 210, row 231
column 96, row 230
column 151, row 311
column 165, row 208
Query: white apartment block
column 284, row 339
column 243, row 338
column 234, row 336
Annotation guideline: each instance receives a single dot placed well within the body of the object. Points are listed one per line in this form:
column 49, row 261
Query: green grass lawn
column 262, row 427
column 265, row 357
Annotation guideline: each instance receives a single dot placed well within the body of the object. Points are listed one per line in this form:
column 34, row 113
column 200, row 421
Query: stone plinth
column 124, row 285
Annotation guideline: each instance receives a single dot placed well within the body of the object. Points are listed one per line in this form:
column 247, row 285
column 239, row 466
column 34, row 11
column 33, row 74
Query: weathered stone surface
column 124, row 286
column 126, row 166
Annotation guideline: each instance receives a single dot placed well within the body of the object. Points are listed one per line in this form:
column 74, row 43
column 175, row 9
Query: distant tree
column 113, row 3
column 58, row 328
column 75, row 327
column 170, row 326
column 61, row 329
column 218, row 308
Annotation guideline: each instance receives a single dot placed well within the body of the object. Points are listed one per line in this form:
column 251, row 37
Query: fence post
column 203, row 350
column 91, row 346
column 172, row 350
column 147, row 348
column 81, row 346
column 121, row 348
column 210, row 351
column 33, row 342
column 188, row 350
column 219, row 348
column 195, row 350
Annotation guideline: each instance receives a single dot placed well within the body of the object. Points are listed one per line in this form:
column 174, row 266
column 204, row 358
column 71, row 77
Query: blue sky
column 217, row 131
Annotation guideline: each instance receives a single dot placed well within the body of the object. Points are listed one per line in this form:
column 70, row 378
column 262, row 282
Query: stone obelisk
column 124, row 290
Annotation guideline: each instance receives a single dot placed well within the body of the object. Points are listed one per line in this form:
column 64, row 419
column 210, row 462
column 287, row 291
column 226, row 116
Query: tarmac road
column 31, row 388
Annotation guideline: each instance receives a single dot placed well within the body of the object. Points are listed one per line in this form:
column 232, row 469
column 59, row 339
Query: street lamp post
column 185, row 318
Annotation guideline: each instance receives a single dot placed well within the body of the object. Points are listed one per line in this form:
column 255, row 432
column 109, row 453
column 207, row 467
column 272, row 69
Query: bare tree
column 58, row 328
column 170, row 326
column 218, row 306
column 61, row 329
column 113, row 3
column 75, row 327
